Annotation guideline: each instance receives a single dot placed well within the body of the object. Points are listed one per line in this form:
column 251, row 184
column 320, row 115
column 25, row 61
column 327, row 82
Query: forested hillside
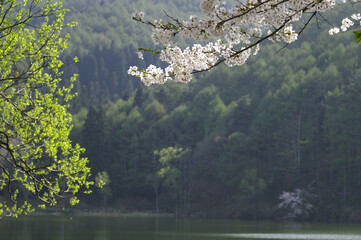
column 234, row 140
column 106, row 40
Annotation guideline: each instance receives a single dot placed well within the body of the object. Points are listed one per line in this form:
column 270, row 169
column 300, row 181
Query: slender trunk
column 188, row 199
column 344, row 185
column 298, row 157
column 359, row 172
column 157, row 201
column 176, row 200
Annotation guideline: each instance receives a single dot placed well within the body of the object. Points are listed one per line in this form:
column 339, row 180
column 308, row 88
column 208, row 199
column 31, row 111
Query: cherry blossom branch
column 234, row 33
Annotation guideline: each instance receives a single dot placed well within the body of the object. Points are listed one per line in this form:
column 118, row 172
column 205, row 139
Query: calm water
column 132, row 228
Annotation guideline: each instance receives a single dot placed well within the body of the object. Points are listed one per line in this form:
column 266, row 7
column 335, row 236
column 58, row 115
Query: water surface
column 133, row 228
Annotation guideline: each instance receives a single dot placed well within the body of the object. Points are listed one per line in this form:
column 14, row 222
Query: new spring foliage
column 36, row 154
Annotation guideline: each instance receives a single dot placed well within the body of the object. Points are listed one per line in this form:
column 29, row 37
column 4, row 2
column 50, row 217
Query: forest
column 229, row 144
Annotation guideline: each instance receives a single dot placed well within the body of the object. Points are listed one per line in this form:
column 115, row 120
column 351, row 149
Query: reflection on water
column 131, row 228
column 294, row 236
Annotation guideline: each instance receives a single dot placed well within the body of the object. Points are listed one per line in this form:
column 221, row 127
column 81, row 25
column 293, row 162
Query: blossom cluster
column 138, row 15
column 297, row 202
column 346, row 24
column 233, row 30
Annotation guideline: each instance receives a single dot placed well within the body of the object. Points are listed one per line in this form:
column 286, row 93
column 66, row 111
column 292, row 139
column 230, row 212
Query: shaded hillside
column 279, row 123
column 106, row 40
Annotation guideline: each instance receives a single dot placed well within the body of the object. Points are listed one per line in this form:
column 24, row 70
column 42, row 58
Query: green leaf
column 357, row 35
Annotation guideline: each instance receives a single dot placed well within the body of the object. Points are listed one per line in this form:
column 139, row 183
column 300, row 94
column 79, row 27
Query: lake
column 147, row 228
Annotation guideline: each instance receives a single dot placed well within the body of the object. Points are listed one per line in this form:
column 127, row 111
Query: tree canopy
column 36, row 155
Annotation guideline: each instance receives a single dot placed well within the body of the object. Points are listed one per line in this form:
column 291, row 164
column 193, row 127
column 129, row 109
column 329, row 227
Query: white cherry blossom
column 140, row 55
column 346, row 24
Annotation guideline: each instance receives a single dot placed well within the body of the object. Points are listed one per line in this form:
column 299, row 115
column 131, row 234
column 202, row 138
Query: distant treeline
column 282, row 122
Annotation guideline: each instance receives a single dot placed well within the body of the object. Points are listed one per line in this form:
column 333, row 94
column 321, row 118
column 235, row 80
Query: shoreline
column 96, row 213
